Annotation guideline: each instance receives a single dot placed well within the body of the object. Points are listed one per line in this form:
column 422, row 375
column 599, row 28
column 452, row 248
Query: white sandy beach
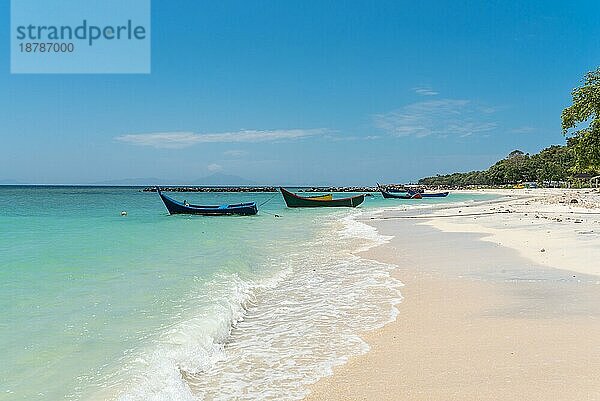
column 501, row 302
column 543, row 226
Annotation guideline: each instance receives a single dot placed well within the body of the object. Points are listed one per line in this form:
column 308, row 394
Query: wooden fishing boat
column 176, row 207
column 293, row 200
column 431, row 194
column 389, row 195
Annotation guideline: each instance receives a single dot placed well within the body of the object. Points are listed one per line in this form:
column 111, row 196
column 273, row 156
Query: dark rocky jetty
column 257, row 189
column 211, row 189
column 336, row 189
column 357, row 189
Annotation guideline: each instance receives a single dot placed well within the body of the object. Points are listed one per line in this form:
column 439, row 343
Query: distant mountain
column 308, row 184
column 134, row 182
column 10, row 182
column 222, row 179
column 213, row 180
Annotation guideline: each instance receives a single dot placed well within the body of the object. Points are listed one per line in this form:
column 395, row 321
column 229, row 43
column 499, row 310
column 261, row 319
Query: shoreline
column 482, row 317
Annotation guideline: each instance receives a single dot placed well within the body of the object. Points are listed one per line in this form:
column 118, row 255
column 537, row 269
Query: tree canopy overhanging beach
column 585, row 108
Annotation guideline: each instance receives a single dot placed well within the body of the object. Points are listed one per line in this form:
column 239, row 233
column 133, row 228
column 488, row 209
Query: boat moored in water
column 389, row 195
column 293, row 200
column 176, row 207
column 431, row 194
column 408, row 193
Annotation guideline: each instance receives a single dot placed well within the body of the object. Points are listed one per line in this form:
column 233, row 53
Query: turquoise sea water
column 98, row 306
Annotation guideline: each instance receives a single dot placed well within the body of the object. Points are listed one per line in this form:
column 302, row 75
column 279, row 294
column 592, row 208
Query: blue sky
column 307, row 92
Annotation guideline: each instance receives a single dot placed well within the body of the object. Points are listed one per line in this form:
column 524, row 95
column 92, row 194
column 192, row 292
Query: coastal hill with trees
column 580, row 157
column 552, row 164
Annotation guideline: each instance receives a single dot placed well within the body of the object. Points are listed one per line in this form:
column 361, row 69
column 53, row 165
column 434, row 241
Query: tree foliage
column 554, row 163
column 585, row 142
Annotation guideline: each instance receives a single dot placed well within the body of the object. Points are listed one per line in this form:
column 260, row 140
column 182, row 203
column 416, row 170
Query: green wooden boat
column 293, row 200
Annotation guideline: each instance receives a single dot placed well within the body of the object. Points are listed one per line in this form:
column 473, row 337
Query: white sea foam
column 268, row 340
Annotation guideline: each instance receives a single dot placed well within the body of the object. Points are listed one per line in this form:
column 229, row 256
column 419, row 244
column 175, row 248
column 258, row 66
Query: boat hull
column 388, row 195
column 175, row 207
column 293, row 200
column 433, row 195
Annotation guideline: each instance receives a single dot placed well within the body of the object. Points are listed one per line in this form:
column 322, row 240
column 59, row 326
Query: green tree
column 515, row 167
column 515, row 153
column 553, row 163
column 585, row 142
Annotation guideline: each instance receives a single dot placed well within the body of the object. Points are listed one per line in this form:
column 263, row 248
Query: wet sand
column 479, row 321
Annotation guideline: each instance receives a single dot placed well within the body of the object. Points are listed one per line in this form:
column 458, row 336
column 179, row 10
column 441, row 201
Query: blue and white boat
column 176, row 207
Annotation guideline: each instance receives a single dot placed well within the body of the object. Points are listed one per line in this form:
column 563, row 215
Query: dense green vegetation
column 585, row 142
column 551, row 164
column 581, row 154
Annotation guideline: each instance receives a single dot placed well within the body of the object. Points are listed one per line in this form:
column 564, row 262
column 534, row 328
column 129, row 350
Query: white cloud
column 175, row 140
column 423, row 91
column 442, row 118
column 214, row 167
column 235, row 153
column 522, row 130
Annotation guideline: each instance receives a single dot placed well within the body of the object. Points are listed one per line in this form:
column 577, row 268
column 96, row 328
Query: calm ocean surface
column 97, row 306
